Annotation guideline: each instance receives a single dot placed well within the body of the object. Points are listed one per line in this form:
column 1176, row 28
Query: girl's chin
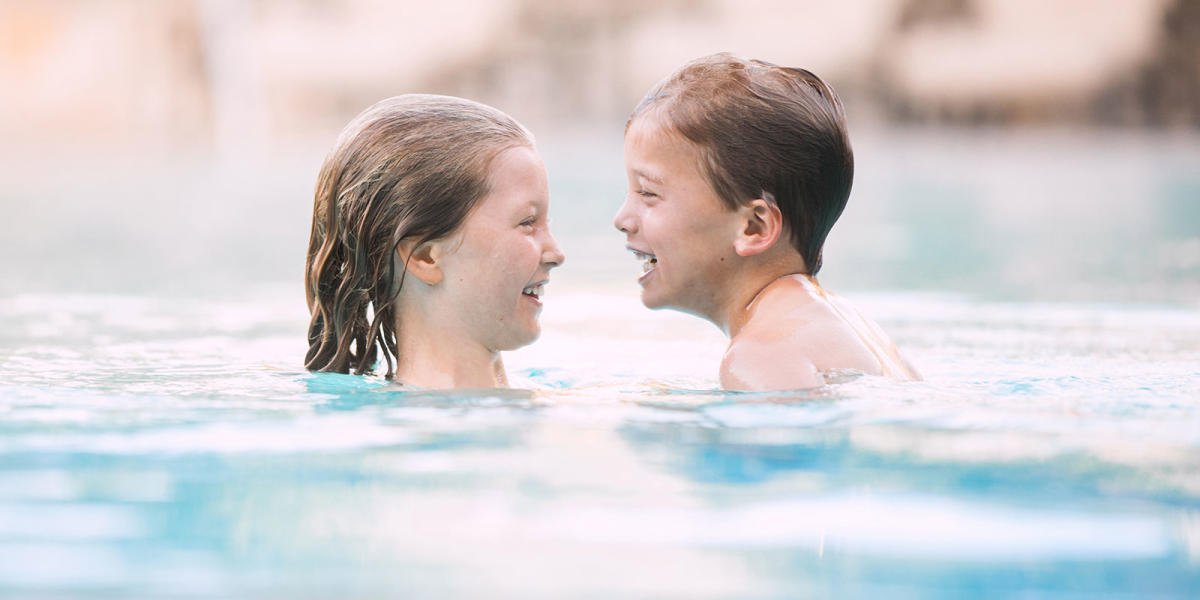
column 519, row 339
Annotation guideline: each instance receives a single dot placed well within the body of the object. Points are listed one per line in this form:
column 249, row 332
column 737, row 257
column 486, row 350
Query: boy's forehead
column 657, row 150
column 649, row 126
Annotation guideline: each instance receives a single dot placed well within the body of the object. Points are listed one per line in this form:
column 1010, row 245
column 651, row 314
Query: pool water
column 154, row 447
column 159, row 437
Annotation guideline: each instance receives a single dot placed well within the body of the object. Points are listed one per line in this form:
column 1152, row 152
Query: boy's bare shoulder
column 790, row 338
column 771, row 351
column 756, row 365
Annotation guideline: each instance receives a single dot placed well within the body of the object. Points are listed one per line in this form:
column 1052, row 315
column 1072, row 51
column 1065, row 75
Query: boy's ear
column 423, row 260
column 761, row 223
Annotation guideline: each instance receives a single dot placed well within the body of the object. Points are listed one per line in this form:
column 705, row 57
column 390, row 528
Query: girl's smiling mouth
column 534, row 292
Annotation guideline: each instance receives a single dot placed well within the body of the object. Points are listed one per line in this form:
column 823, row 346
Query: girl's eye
column 646, row 194
column 529, row 222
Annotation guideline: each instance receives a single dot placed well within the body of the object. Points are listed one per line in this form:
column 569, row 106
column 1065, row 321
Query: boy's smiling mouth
column 649, row 262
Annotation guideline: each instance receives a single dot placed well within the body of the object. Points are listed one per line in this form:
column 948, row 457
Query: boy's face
column 675, row 222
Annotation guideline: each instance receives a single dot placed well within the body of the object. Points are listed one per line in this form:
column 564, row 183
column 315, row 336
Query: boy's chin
column 654, row 302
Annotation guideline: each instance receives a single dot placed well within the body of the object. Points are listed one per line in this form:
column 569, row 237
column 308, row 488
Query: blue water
column 170, row 447
column 159, row 438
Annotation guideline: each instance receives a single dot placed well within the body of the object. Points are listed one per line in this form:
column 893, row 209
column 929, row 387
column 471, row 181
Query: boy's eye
column 529, row 222
column 646, row 193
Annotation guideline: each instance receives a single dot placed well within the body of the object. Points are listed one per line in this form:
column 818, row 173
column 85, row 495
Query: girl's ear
column 424, row 261
column 761, row 225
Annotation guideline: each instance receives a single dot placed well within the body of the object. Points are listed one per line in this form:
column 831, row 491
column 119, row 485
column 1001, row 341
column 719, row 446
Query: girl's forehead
column 503, row 204
column 517, row 182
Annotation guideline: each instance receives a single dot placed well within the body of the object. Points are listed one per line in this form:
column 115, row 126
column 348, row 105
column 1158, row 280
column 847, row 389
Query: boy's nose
column 624, row 221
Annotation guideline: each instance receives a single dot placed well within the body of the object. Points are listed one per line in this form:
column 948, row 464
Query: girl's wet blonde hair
column 410, row 167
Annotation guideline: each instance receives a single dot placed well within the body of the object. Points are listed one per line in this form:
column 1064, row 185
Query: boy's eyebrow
column 645, row 175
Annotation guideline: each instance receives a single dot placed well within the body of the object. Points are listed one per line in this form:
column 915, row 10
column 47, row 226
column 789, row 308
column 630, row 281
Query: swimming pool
column 154, row 448
column 161, row 440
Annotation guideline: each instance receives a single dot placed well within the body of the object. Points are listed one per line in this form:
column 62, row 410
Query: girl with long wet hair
column 430, row 244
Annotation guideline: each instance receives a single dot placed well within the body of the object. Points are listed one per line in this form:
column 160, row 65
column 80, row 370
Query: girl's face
column 494, row 271
column 674, row 222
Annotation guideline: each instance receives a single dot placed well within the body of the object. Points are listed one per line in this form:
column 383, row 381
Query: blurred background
column 1012, row 150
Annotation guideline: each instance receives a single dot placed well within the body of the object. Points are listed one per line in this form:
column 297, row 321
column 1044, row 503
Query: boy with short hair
column 737, row 171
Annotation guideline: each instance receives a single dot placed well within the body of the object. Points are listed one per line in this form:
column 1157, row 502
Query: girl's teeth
column 535, row 291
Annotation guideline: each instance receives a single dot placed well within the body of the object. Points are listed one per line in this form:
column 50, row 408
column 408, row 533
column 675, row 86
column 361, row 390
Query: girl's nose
column 552, row 255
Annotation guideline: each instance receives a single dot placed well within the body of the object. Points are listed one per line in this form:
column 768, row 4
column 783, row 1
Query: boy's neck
column 431, row 356
column 752, row 286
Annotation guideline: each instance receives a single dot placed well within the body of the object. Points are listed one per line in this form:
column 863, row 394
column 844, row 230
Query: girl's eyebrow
column 533, row 204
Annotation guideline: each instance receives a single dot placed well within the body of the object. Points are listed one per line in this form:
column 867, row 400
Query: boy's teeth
column 648, row 262
column 533, row 290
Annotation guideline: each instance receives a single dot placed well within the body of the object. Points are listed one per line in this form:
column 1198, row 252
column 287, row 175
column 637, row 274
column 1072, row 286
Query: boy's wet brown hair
column 763, row 131
column 408, row 168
